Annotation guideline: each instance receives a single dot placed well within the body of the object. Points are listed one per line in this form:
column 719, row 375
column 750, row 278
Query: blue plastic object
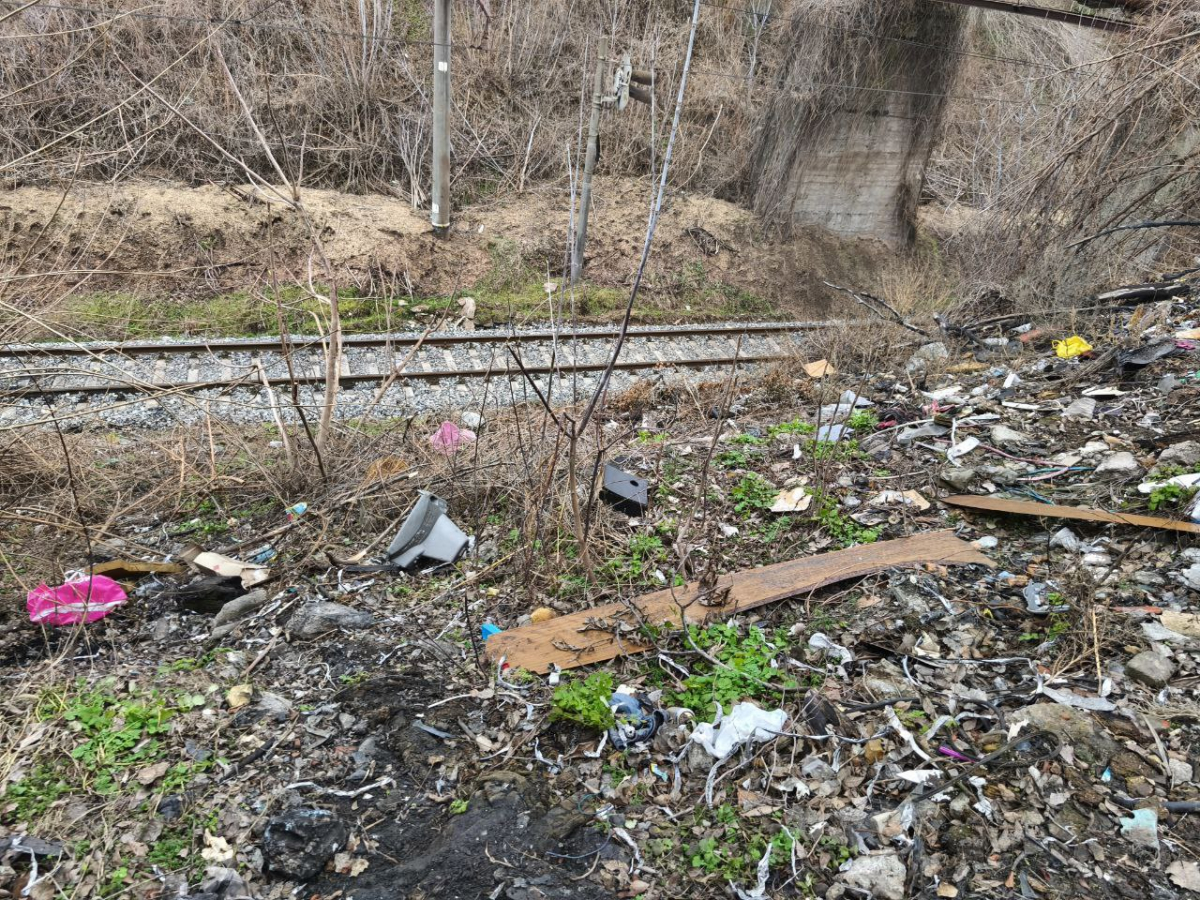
column 487, row 629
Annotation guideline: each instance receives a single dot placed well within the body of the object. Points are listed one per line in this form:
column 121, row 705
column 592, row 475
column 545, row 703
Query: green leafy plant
column 752, row 494
column 791, row 428
column 1170, row 495
column 733, row 459
column 458, row 806
column 862, row 420
column 840, row 527
column 645, row 553
column 585, row 702
column 746, row 672
column 748, row 440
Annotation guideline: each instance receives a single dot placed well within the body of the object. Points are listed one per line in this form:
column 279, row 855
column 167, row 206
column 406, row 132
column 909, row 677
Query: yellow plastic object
column 1071, row 347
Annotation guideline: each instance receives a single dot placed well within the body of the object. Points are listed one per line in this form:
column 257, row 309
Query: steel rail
column 248, row 381
column 443, row 339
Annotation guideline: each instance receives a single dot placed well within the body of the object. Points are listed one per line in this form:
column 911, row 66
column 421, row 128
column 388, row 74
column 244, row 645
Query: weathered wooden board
column 1051, row 511
column 604, row 632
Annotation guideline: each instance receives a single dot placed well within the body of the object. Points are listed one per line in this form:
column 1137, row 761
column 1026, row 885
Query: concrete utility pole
column 439, row 209
column 589, row 166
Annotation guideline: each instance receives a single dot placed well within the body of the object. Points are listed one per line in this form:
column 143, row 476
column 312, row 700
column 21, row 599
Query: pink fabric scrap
column 79, row 600
column 449, row 438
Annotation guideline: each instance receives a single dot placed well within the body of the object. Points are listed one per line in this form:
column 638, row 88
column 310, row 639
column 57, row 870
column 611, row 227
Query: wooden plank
column 1051, row 511
column 604, row 632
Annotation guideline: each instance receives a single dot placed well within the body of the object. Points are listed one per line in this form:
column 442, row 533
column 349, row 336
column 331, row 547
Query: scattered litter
column 1071, row 347
column 627, row 494
column 249, row 574
column 1036, row 600
column 427, row 537
column 831, row 434
column 745, row 724
column 793, row 500
column 912, row 499
column 819, row 369
column 1141, row 828
column 125, row 569
column 1144, row 356
column 449, row 438
column 962, row 448
column 80, row 599
column 635, row 724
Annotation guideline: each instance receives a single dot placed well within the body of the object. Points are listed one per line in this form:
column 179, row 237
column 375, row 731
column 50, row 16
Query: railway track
column 421, row 371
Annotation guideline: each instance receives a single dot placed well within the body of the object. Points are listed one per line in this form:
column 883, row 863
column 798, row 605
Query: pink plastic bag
column 81, row 599
column 449, row 438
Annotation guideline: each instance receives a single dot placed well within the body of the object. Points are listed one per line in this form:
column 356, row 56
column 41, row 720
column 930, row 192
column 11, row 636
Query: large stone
column 882, row 876
column 1119, row 466
column 1185, row 455
column 1151, row 669
column 298, row 843
column 315, row 619
column 1003, row 436
column 926, row 354
column 1075, row 727
column 243, row 606
column 959, row 479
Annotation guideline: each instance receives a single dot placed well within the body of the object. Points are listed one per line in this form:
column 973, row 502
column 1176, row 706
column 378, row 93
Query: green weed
column 584, row 702
column 842, row 528
column 1170, row 495
column 747, row 672
column 753, row 494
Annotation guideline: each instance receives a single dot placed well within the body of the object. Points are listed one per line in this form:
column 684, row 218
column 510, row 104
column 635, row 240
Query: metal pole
column 589, row 166
column 439, row 210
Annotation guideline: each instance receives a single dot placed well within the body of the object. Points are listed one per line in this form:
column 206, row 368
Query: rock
column 241, row 607
column 1185, row 455
column 1003, row 436
column 1181, row 772
column 471, row 420
column 959, row 479
column 314, row 619
column 298, row 843
column 1119, row 466
column 1151, row 669
column 882, row 876
column 273, row 706
column 1091, row 742
column 924, row 355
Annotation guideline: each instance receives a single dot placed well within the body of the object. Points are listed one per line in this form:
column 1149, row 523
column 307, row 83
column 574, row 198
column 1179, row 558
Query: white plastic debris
column 745, row 724
column 961, row 449
column 820, row 641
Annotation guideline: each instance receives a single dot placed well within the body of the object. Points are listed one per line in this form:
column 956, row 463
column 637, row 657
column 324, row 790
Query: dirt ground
column 163, row 238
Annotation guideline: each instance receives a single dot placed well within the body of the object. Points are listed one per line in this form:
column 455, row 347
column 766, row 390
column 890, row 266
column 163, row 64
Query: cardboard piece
column 1052, row 511
column 225, row 566
column 605, row 632
column 819, row 369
